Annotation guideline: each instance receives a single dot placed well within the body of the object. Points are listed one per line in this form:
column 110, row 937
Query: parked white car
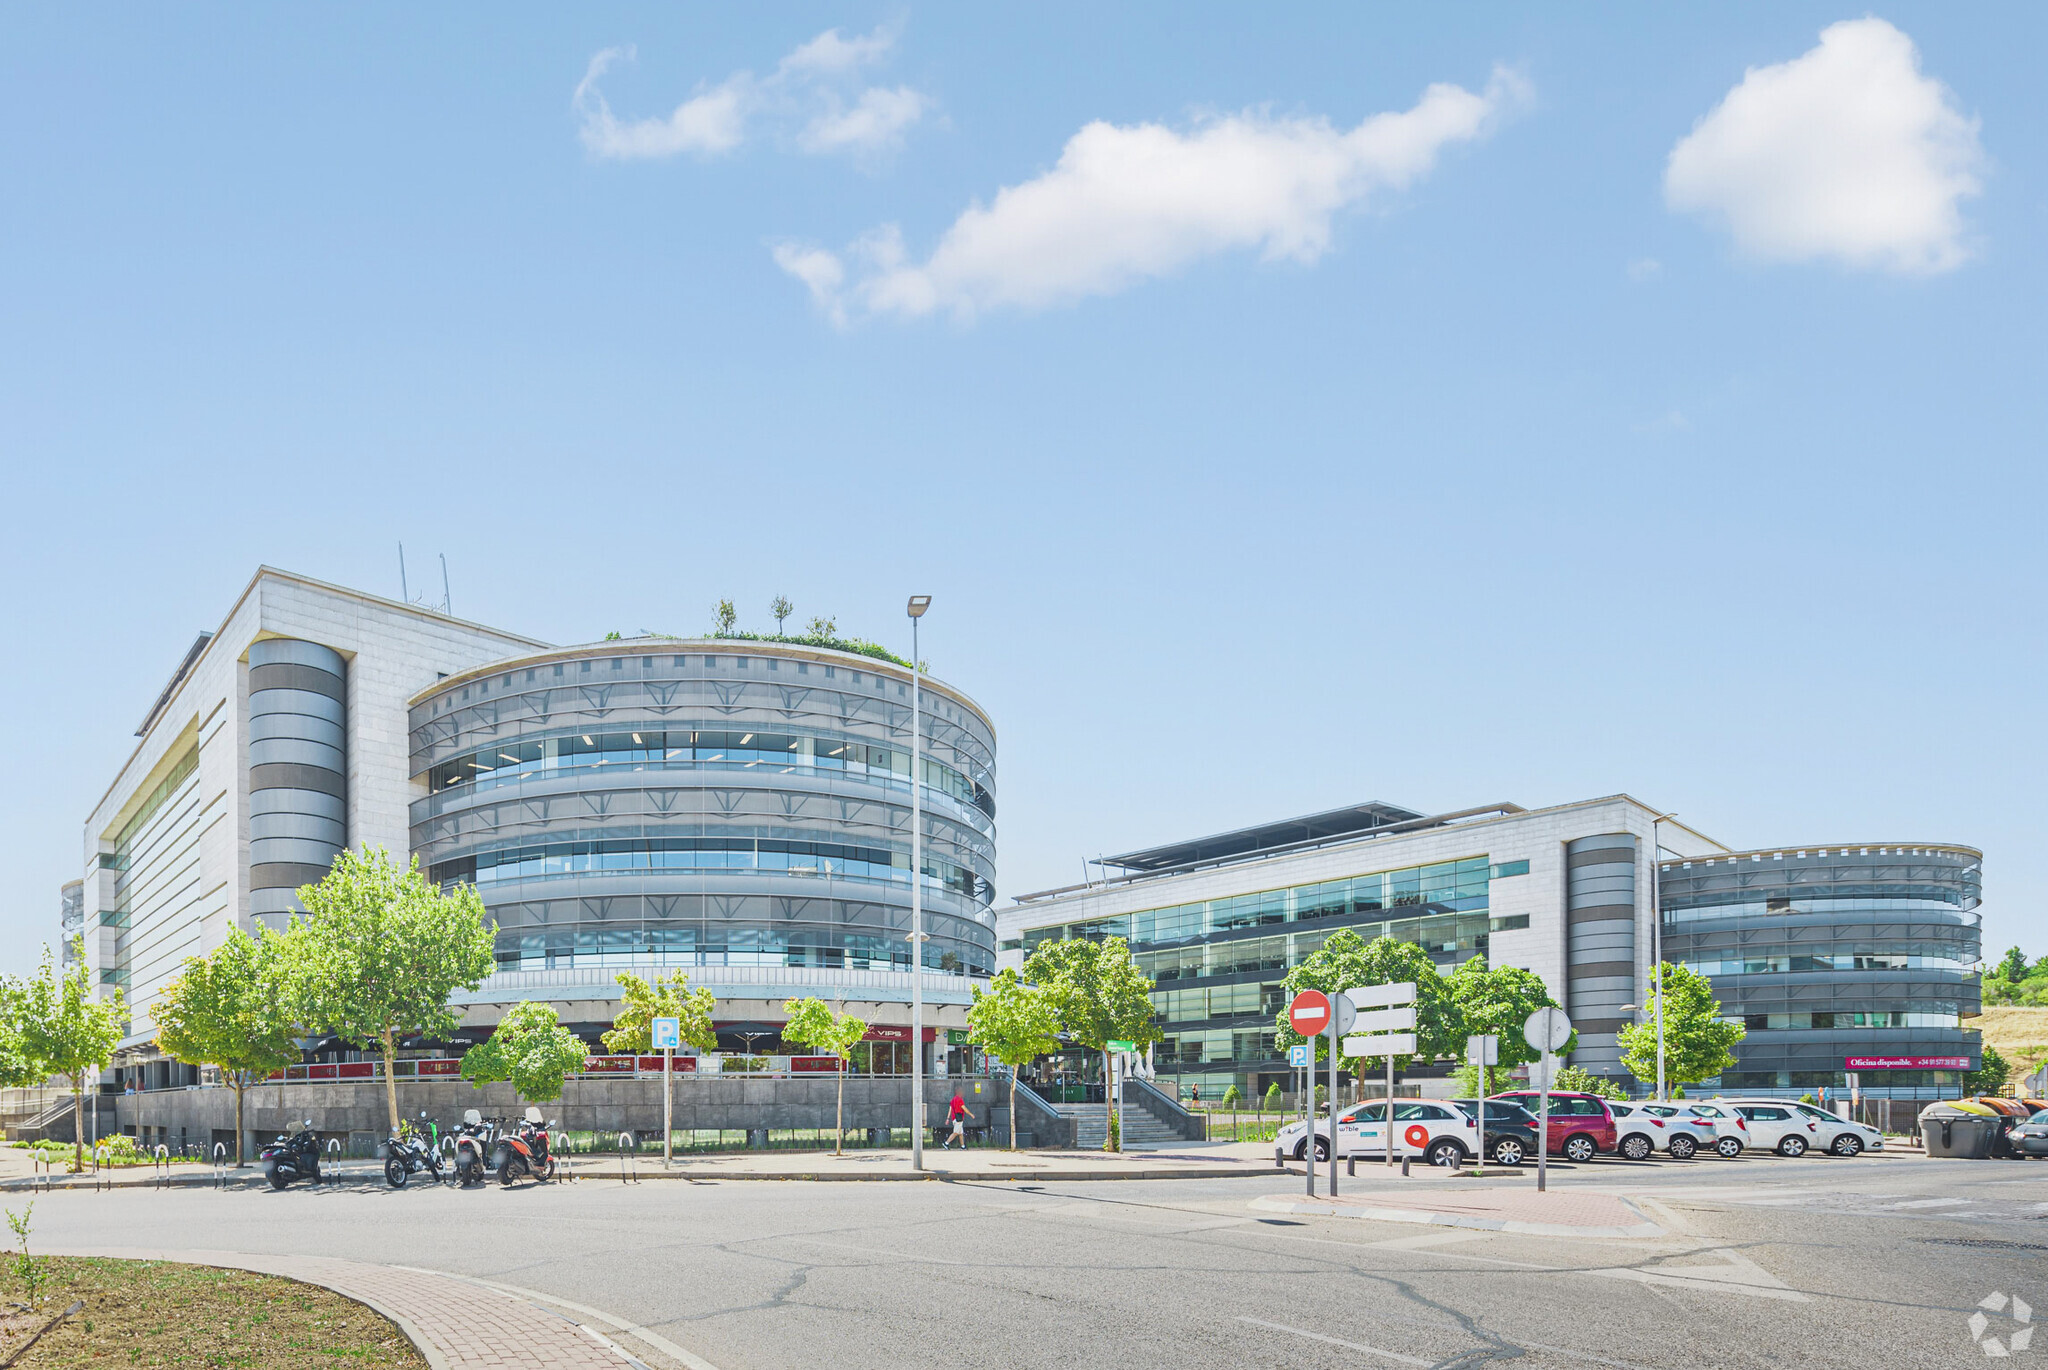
column 1684, row 1132
column 1791, row 1128
column 1439, row 1133
column 1731, row 1129
column 1638, row 1135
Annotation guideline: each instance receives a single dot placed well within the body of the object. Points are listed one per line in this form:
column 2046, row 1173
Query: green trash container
column 1946, row 1131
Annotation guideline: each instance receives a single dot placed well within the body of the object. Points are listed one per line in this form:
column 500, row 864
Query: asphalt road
column 1815, row 1262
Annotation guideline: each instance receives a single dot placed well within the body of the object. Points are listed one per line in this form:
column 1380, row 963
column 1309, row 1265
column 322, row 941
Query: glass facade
column 1830, row 952
column 703, row 808
column 1218, row 964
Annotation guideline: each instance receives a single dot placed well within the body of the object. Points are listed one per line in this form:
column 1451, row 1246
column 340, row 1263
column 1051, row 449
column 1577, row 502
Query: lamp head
column 918, row 604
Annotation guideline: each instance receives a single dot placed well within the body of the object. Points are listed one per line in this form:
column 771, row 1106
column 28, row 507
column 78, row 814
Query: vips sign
column 1905, row 1063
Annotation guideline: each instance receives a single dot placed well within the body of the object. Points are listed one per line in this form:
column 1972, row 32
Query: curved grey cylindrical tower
column 298, row 771
column 1600, row 971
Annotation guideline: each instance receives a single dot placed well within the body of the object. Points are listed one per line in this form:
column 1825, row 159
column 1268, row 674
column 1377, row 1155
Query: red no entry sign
column 1309, row 1013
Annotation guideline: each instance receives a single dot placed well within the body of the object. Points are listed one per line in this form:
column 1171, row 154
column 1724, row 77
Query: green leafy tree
column 1579, row 1080
column 727, row 617
column 65, row 1030
column 1015, row 1022
column 1697, row 1042
column 669, row 996
column 782, row 609
column 529, row 1047
column 813, row 1023
column 231, row 1010
column 1271, row 1103
column 1497, row 1000
column 1098, row 993
column 822, row 626
column 1991, row 1074
column 2014, row 966
column 1348, row 961
column 379, row 953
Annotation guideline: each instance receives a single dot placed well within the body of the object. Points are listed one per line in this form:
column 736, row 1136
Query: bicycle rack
column 160, row 1167
column 629, row 1158
column 334, row 1152
column 43, row 1170
column 220, row 1165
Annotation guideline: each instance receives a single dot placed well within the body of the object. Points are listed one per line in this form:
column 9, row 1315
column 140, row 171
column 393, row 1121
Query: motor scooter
column 472, row 1143
column 409, row 1153
column 296, row 1157
column 524, row 1152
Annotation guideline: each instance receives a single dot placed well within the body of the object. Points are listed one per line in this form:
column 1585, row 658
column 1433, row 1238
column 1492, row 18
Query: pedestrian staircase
column 1142, row 1131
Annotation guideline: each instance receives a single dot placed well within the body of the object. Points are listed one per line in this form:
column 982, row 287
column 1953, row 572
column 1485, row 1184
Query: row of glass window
column 656, row 749
column 1889, row 901
column 1459, row 885
column 563, row 948
column 1875, row 1018
column 1787, row 964
column 1834, row 1079
column 1217, row 1001
column 1439, row 933
column 1218, row 1046
column 702, row 854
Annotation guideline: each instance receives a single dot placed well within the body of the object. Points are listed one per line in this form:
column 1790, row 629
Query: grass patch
column 163, row 1313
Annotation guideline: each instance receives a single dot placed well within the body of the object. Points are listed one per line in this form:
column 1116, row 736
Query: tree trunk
column 391, row 1079
column 1013, row 1108
column 1109, row 1131
column 78, row 1122
column 241, row 1087
column 839, row 1113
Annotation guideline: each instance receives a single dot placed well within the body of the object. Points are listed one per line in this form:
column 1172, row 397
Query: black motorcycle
column 472, row 1144
column 409, row 1153
column 296, row 1157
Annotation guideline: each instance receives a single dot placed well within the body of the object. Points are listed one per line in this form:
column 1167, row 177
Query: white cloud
column 1125, row 203
column 820, row 271
column 876, row 121
column 1645, row 269
column 807, row 92
column 1847, row 152
column 829, row 54
column 708, row 124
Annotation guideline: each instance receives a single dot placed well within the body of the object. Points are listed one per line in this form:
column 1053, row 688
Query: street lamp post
column 918, row 604
column 1657, row 939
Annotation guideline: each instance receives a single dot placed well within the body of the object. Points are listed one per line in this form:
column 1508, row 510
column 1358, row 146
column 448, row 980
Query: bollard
column 1404, row 1165
column 629, row 1159
column 1350, row 1165
column 220, row 1165
column 160, row 1167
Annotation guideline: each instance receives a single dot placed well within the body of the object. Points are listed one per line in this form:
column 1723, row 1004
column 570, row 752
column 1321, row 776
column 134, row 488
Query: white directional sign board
column 1379, row 996
column 1383, row 1044
column 1386, row 1020
column 1482, row 1049
column 667, row 1033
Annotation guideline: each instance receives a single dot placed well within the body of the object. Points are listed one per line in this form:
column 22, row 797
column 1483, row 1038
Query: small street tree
column 1991, row 1074
column 1696, row 1041
column 1496, row 1001
column 1099, row 996
column 1348, row 961
column 1579, row 1080
column 669, row 996
column 1016, row 1023
column 782, row 609
column 380, row 952
column 530, row 1048
column 229, row 1010
column 813, row 1023
column 727, row 618
column 65, row 1030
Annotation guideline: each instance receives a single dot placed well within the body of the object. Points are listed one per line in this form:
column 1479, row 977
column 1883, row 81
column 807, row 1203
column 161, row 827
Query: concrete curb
column 1428, row 1218
column 654, row 1171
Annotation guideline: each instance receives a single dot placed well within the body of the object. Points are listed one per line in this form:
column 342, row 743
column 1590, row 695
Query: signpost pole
column 1543, row 1130
column 1333, row 1104
column 1390, row 1110
column 1308, row 1116
column 668, row 1103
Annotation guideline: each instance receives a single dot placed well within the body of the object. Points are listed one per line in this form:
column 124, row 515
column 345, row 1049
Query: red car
column 1580, row 1125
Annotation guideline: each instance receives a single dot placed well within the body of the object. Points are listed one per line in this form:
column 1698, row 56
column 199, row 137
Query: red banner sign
column 433, row 1067
column 609, row 1065
column 895, row 1034
column 1905, row 1063
column 804, row 1065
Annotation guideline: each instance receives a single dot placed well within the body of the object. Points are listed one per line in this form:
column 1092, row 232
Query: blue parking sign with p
column 1298, row 1057
column 667, row 1033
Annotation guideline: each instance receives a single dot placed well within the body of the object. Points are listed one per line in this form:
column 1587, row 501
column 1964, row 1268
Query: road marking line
column 634, row 1330
column 1335, row 1341
column 1427, row 1239
column 1931, row 1203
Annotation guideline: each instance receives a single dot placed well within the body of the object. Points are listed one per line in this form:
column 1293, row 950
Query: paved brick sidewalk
column 457, row 1325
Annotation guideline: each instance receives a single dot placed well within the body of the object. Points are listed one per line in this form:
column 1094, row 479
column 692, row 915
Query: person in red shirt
column 957, row 1115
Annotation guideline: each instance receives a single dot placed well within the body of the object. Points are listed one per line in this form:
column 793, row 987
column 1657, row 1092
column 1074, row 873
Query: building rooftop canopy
column 1351, row 821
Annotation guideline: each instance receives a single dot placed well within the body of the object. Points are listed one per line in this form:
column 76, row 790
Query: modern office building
column 1565, row 892
column 1834, row 955
column 733, row 808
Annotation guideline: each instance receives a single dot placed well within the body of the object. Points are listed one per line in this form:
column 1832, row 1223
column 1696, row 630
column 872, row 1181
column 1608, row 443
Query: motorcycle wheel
column 278, row 1179
column 508, row 1171
column 394, row 1172
column 473, row 1173
column 551, row 1169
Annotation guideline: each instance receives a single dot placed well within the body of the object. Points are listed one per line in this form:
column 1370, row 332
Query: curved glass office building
column 715, row 803
column 1833, row 954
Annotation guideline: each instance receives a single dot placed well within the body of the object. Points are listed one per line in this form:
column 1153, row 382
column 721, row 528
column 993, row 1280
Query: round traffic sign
column 1547, row 1029
column 1309, row 1013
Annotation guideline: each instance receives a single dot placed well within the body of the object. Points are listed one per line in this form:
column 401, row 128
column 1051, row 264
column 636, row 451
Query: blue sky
column 1259, row 458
